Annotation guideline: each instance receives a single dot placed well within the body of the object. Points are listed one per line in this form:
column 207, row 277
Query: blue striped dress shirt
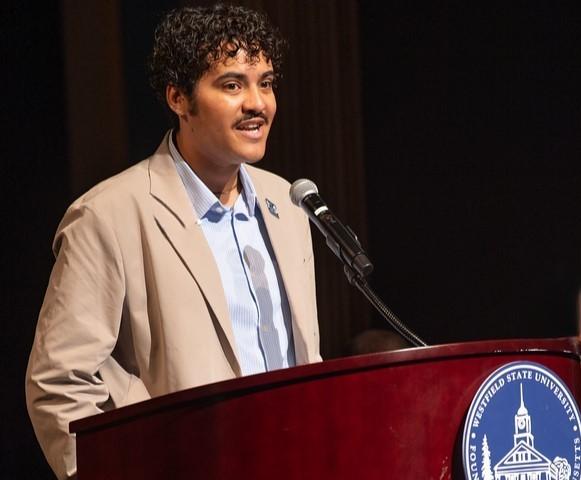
column 250, row 276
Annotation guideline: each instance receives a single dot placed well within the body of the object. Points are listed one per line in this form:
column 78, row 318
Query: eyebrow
column 242, row 76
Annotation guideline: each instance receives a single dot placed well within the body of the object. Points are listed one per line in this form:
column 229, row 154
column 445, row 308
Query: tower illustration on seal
column 524, row 461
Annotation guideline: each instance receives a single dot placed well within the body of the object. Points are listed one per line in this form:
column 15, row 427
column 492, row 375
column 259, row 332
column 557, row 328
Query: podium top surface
column 568, row 347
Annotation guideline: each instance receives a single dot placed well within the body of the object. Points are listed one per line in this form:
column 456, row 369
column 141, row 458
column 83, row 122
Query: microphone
column 340, row 238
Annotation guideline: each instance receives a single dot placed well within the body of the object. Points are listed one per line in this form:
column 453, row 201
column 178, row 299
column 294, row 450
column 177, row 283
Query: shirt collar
column 203, row 200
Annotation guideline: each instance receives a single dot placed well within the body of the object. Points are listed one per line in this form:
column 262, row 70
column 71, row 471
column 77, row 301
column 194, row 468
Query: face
column 233, row 108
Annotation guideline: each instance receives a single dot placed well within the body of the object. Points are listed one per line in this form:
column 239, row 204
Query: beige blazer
column 135, row 307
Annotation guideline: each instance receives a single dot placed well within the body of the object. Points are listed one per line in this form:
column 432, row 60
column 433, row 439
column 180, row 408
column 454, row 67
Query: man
column 190, row 267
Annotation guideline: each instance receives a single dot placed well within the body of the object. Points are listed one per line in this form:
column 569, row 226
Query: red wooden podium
column 382, row 416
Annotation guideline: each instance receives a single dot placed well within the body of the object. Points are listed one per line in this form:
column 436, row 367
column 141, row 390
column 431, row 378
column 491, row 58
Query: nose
column 254, row 100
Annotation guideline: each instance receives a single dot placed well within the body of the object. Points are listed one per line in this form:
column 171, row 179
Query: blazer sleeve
column 301, row 235
column 76, row 332
column 309, row 264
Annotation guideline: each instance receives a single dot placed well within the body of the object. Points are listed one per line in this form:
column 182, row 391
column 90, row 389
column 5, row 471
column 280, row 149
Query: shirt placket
column 239, row 234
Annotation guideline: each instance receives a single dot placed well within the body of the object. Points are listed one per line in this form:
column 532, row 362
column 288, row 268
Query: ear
column 177, row 100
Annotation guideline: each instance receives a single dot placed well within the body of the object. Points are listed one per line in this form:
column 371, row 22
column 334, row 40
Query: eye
column 267, row 84
column 231, row 87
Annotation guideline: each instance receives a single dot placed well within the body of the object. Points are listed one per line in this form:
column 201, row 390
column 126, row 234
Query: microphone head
column 300, row 189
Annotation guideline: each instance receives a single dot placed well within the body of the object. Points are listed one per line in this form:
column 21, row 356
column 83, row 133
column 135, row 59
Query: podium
column 381, row 416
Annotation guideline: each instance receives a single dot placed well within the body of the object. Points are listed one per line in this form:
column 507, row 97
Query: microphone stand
column 358, row 281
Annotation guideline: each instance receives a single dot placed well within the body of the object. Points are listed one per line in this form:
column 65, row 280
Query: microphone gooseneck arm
column 391, row 318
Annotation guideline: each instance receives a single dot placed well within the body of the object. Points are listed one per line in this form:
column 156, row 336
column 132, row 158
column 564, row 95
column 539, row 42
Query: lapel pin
column 271, row 207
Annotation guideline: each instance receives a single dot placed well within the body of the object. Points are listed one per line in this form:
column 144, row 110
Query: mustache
column 251, row 116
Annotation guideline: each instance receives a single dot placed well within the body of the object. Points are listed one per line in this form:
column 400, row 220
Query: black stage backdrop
column 471, row 129
column 35, row 193
column 472, row 134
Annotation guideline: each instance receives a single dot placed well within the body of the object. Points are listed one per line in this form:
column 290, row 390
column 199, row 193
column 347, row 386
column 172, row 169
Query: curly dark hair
column 190, row 39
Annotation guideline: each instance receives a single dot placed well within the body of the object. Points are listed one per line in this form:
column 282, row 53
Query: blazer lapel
column 188, row 240
column 287, row 255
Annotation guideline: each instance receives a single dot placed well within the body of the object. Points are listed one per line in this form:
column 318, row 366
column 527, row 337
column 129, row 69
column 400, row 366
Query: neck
column 229, row 192
column 221, row 180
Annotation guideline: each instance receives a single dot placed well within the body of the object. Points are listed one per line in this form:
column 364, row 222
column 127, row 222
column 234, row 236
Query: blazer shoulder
column 130, row 188
column 131, row 181
column 114, row 201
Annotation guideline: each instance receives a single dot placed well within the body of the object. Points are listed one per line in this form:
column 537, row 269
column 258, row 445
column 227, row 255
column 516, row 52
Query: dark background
column 472, row 148
column 471, row 122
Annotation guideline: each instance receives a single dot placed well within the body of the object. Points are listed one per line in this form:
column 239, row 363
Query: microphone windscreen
column 300, row 189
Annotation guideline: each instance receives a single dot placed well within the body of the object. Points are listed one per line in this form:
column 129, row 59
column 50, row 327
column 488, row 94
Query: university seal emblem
column 523, row 424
